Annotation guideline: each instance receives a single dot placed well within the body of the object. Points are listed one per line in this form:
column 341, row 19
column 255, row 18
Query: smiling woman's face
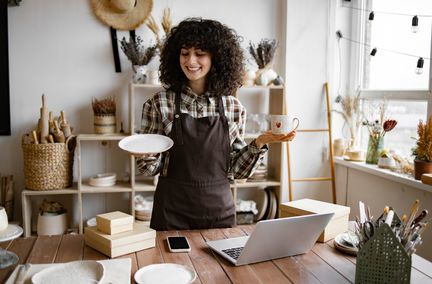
column 195, row 64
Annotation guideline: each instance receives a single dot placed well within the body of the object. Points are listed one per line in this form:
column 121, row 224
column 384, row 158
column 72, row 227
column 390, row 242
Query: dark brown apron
column 195, row 191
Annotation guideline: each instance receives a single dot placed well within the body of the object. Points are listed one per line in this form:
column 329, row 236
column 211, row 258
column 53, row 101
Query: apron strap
column 222, row 115
column 177, row 119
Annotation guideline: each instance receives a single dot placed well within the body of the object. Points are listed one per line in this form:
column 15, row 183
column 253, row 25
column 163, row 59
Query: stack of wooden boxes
column 338, row 224
column 117, row 234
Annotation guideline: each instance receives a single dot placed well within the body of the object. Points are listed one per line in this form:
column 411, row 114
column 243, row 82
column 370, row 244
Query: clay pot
column 421, row 167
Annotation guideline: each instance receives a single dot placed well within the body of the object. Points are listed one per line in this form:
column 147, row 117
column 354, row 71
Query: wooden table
column 321, row 265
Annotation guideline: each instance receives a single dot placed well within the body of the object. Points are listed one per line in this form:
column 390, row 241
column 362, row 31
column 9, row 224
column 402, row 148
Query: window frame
column 359, row 23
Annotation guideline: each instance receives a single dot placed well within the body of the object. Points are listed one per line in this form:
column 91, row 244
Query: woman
column 201, row 68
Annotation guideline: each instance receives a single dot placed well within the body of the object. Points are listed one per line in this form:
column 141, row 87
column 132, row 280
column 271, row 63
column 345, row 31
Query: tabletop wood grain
column 323, row 264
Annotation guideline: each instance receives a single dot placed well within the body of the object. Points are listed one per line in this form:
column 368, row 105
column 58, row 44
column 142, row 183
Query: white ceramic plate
column 74, row 272
column 165, row 273
column 146, row 144
column 11, row 232
column 341, row 244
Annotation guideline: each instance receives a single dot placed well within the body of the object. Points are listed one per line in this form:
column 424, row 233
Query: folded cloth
column 115, row 271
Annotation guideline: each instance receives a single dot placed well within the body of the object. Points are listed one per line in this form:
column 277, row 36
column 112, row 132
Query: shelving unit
column 138, row 93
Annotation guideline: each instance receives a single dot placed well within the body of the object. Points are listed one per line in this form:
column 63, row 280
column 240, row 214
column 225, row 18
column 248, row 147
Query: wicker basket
column 48, row 166
column 383, row 259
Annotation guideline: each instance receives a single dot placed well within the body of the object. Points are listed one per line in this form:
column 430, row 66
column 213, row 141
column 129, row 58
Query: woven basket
column 383, row 259
column 48, row 166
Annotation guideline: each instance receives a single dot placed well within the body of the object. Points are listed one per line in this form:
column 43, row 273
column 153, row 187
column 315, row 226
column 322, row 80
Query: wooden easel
column 330, row 140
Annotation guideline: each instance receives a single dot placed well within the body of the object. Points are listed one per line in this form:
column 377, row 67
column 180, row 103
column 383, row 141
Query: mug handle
column 298, row 123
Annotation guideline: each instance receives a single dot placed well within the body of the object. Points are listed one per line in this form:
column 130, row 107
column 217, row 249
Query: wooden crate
column 141, row 237
column 338, row 224
column 114, row 222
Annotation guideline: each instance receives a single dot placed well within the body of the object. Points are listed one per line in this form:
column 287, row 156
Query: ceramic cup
column 283, row 124
column 3, row 219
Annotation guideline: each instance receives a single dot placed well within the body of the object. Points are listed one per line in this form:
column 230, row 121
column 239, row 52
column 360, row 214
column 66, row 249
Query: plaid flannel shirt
column 158, row 115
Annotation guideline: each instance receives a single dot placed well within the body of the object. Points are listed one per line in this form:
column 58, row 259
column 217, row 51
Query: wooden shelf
column 118, row 187
column 276, row 102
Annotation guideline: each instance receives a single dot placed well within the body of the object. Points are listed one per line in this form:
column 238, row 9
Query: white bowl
column 105, row 179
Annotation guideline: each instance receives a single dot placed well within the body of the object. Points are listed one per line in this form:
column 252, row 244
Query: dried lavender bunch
column 105, row 106
column 136, row 52
column 264, row 52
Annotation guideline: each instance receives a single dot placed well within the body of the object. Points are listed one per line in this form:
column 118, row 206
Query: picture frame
column 5, row 121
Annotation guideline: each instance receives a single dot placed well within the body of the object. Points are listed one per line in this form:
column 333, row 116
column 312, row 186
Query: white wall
column 59, row 48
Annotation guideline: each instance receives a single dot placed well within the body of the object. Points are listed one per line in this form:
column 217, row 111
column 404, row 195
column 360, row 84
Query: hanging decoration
column 420, row 61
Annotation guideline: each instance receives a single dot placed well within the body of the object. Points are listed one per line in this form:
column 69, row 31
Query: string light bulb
column 371, row 16
column 419, row 69
column 414, row 24
column 373, row 51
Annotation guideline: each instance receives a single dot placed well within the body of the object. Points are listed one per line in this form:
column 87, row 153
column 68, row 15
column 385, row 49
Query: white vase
column 140, row 74
column 48, row 225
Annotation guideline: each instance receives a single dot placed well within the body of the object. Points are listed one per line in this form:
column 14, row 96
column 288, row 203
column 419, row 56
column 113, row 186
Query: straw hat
column 122, row 14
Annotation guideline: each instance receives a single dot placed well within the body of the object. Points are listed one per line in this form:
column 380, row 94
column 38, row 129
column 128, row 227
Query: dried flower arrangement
column 264, row 53
column 351, row 113
column 423, row 149
column 104, row 107
column 135, row 51
column 166, row 24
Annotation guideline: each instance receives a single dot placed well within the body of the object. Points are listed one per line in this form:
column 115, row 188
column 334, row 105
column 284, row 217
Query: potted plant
column 52, row 219
column 104, row 115
column 423, row 149
column 263, row 54
column 352, row 115
column 139, row 56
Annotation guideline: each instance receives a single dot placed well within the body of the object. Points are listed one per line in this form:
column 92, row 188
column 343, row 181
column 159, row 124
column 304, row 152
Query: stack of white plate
column 103, row 180
column 259, row 174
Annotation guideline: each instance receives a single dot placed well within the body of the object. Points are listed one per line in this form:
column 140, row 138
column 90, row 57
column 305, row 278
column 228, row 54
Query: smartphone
column 178, row 244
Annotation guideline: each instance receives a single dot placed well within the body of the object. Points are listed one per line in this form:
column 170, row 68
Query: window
column 391, row 73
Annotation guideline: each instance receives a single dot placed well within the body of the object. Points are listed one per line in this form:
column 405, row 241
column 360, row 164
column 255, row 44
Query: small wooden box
column 114, row 222
column 338, row 224
column 141, row 237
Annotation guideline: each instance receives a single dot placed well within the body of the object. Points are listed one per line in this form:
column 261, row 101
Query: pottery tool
column 420, row 217
column 389, row 218
column 362, row 212
column 44, row 124
column 35, row 138
column 50, row 138
column 414, row 210
column 65, row 125
column 58, row 134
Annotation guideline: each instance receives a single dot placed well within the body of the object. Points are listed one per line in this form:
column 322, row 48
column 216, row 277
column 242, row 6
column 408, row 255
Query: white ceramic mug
column 3, row 219
column 284, row 124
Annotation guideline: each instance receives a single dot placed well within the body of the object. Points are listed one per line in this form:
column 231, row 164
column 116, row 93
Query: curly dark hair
column 222, row 42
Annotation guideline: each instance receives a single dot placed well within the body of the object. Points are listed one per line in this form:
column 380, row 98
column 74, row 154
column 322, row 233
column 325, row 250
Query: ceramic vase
column 421, row 167
column 375, row 145
column 140, row 74
column 48, row 225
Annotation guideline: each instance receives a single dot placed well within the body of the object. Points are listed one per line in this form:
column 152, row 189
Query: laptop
column 274, row 238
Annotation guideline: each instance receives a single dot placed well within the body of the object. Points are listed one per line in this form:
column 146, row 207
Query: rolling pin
column 44, row 124
column 65, row 125
column 35, row 138
column 58, row 134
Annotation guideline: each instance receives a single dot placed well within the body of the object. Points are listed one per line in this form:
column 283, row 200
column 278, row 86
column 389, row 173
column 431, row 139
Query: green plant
column 105, row 106
column 423, row 149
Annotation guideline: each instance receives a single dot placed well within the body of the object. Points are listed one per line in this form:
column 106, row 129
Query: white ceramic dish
column 74, row 272
column 165, row 273
column 105, row 179
column 141, row 144
column 342, row 243
column 11, row 232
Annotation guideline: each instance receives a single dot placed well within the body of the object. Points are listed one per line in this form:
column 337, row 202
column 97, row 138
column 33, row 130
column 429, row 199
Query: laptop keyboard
column 233, row 252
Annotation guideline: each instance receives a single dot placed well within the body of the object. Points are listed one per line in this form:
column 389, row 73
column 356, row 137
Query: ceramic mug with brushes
column 283, row 124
